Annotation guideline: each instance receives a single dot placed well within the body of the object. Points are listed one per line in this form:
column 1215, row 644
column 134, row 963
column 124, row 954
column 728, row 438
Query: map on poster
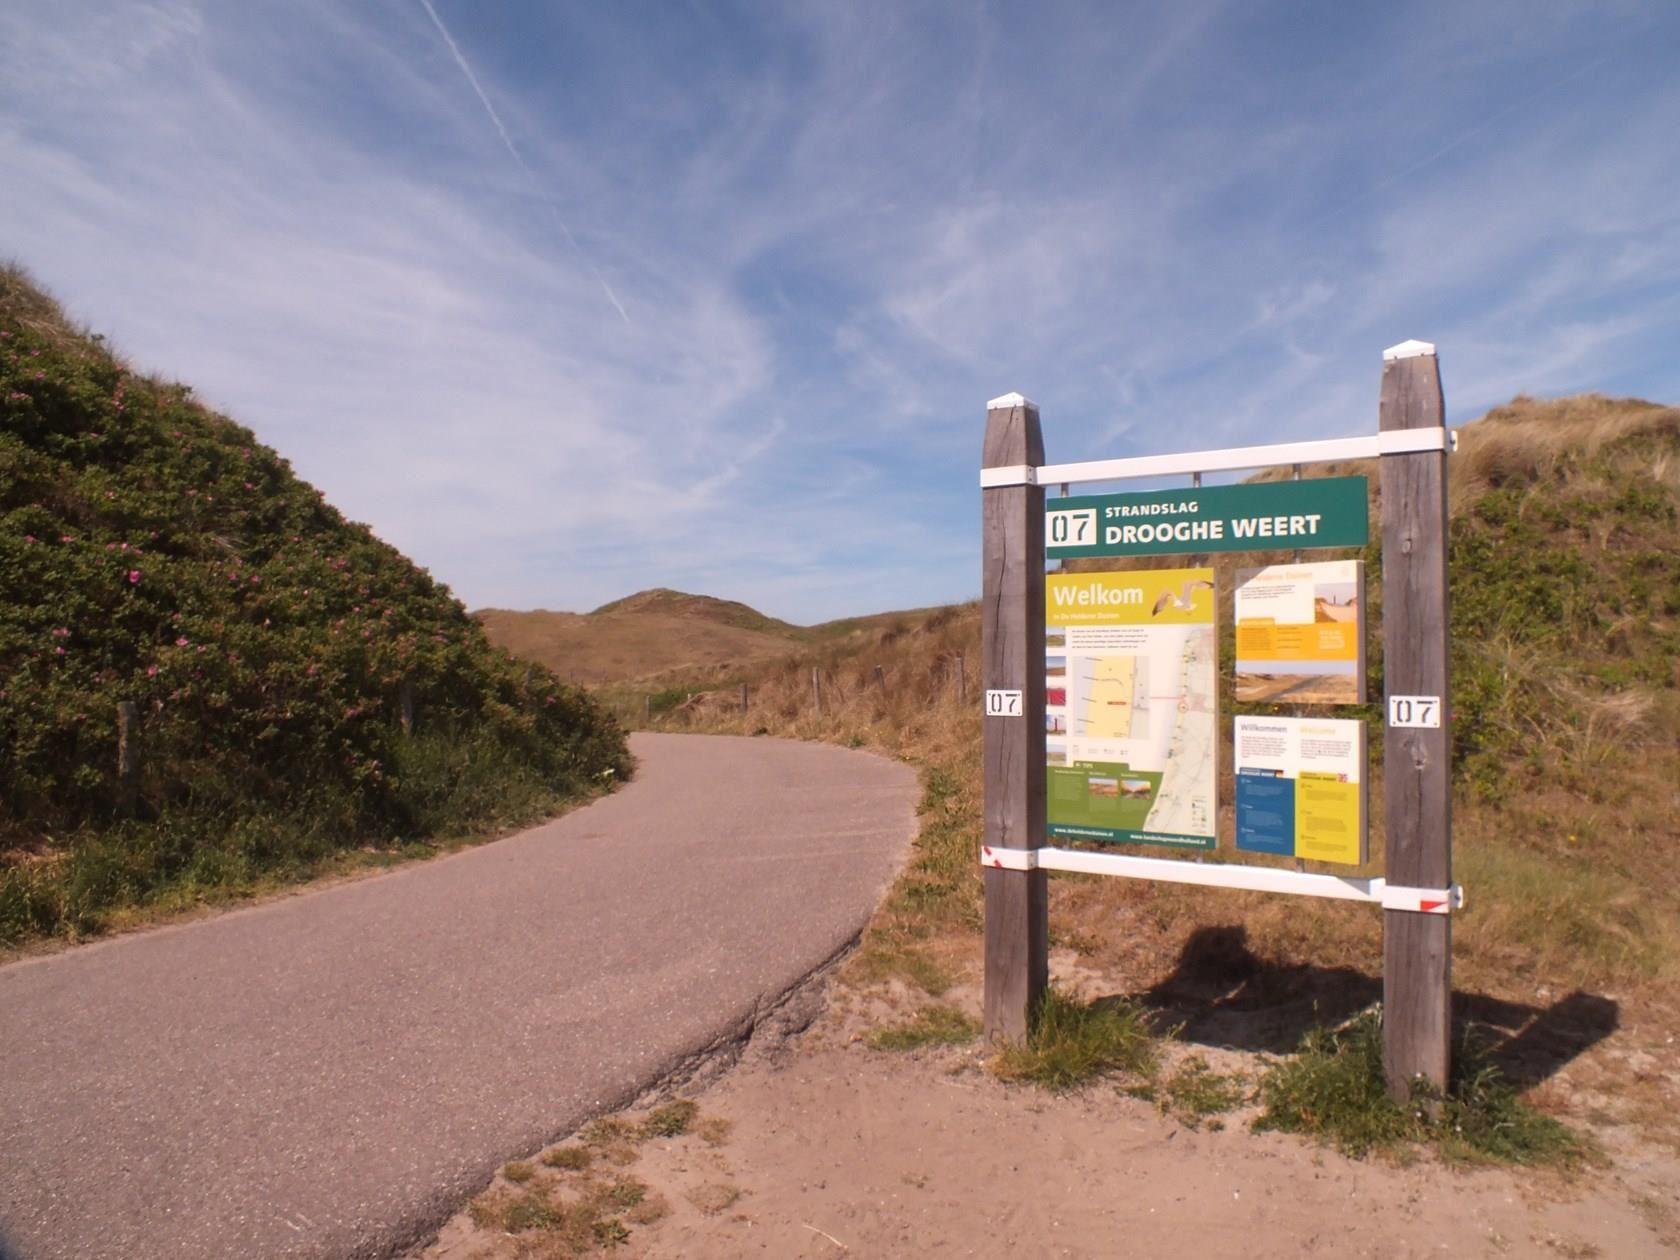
column 1131, row 707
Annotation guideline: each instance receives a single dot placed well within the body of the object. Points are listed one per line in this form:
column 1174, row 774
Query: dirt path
column 329, row 1075
column 828, row 1149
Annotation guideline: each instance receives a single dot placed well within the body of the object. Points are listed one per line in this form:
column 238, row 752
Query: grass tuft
column 671, row 1120
column 1072, row 1042
column 570, row 1158
column 1334, row 1089
column 1195, row 1092
column 932, row 1026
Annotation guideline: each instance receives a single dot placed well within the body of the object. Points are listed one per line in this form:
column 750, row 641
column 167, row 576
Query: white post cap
column 1005, row 401
column 1408, row 350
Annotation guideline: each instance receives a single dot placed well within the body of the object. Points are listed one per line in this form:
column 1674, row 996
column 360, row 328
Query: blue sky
column 572, row 299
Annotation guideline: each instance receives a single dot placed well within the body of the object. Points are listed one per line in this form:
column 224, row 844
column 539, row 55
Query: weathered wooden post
column 881, row 677
column 647, row 710
column 1417, row 768
column 1012, row 662
column 743, row 697
column 128, row 757
column 816, row 688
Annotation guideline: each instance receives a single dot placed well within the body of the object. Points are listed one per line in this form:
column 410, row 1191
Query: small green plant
column 671, row 1120
column 519, row 1172
column 625, row 1192
column 606, row 1131
column 570, row 1158
column 516, row 1213
column 1194, row 1092
column 932, row 1026
column 609, row 1231
column 1072, row 1042
column 1334, row 1089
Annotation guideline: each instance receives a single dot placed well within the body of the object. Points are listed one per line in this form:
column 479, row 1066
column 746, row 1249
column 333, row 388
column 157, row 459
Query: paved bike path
column 329, row 1074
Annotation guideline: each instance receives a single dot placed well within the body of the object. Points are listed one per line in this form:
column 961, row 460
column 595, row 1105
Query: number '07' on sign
column 1416, row 712
column 1003, row 703
column 1074, row 528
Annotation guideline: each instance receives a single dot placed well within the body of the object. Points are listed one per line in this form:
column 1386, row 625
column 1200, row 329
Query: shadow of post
column 1221, row 994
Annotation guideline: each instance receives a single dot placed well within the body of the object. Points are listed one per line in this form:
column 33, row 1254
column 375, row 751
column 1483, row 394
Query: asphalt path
column 330, row 1074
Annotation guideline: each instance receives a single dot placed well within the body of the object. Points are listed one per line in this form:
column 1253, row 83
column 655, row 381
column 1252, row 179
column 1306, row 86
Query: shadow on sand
column 1221, row 994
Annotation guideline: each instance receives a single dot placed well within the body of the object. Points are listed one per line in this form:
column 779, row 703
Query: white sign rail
column 1374, row 891
column 1228, row 459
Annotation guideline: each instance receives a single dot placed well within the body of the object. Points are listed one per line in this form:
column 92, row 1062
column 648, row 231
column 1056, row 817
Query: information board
column 1131, row 707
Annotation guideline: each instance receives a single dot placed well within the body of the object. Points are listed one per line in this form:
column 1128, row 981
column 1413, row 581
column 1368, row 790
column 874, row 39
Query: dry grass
column 574, row 1202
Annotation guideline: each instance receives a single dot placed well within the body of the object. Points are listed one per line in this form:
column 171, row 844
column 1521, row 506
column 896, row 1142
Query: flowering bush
column 153, row 551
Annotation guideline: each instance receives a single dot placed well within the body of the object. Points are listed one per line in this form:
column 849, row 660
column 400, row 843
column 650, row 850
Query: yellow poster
column 1301, row 633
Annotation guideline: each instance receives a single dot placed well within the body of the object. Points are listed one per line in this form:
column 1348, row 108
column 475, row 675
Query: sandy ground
column 822, row 1147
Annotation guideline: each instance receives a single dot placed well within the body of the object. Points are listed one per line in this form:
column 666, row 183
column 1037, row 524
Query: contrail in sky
column 513, row 152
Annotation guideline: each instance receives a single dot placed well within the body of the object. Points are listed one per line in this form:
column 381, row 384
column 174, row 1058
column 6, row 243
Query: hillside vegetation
column 153, row 552
column 1565, row 553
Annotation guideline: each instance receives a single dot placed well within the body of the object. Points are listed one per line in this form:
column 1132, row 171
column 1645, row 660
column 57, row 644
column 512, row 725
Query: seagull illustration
column 1183, row 602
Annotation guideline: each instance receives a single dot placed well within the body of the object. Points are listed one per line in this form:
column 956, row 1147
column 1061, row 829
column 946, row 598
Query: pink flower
column 134, row 577
column 110, row 494
column 66, row 538
column 181, row 642
column 151, row 671
column 29, row 538
column 58, row 651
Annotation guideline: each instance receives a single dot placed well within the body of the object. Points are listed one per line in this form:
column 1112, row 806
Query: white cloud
column 718, row 306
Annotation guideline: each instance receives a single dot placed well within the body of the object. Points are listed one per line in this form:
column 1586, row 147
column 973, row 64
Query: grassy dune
column 155, row 554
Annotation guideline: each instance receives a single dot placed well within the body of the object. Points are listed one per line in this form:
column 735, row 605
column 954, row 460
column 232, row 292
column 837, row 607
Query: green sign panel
column 1256, row 516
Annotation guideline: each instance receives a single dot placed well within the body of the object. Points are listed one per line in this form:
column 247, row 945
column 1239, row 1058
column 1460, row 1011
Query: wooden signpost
column 1417, row 893
column 1012, row 664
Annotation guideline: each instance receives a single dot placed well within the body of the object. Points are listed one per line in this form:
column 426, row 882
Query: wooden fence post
column 743, row 697
column 128, row 757
column 1417, row 766
column 1012, row 659
column 881, row 677
column 816, row 689
column 647, row 709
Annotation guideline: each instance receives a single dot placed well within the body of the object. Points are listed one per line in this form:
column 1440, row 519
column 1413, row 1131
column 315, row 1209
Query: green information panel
column 1261, row 516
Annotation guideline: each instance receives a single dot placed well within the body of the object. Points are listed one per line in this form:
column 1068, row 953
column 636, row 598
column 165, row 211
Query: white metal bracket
column 1008, row 475
column 1407, row 441
column 1009, row 859
column 1423, row 900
